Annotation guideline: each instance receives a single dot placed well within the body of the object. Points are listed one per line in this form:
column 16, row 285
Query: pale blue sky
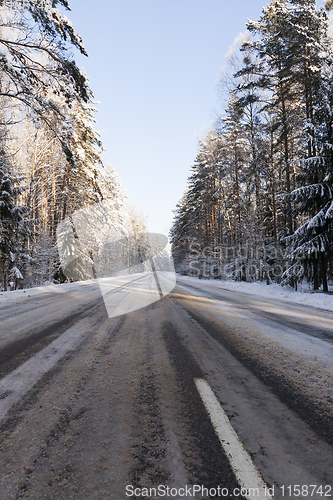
column 154, row 65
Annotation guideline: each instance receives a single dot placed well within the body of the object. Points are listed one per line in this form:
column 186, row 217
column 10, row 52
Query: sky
column 155, row 67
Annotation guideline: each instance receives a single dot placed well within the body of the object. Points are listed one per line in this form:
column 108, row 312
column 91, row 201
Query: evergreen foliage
column 50, row 153
column 270, row 178
column 11, row 215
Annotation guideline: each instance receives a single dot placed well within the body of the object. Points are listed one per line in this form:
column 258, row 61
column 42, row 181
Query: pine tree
column 48, row 113
column 311, row 244
column 11, row 215
column 36, row 65
column 274, row 47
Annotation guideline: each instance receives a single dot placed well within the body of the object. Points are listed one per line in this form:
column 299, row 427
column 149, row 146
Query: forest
column 51, row 162
column 259, row 200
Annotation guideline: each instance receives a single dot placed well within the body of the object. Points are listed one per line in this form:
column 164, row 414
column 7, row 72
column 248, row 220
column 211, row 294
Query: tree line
column 50, row 153
column 259, row 199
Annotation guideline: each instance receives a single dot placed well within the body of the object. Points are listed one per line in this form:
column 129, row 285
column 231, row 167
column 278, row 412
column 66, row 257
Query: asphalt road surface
column 207, row 392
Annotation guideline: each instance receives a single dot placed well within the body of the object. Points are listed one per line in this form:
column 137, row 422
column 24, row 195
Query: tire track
column 317, row 417
column 19, row 351
column 215, row 469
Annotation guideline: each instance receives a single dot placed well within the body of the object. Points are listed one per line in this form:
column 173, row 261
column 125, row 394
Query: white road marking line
column 245, row 471
column 21, row 380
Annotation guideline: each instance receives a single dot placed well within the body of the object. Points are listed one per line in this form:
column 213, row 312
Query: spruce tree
column 11, row 215
column 311, row 244
column 32, row 32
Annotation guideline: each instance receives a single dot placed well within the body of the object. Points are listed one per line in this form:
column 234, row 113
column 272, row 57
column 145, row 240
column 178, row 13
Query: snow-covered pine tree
column 207, row 217
column 253, row 98
column 275, row 64
column 311, row 244
column 232, row 131
column 50, row 111
column 274, row 146
column 80, row 180
column 36, row 65
column 193, row 216
column 313, row 69
column 11, row 215
column 179, row 236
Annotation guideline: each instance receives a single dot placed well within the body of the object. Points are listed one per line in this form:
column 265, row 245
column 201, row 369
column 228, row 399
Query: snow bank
column 51, row 288
column 307, row 298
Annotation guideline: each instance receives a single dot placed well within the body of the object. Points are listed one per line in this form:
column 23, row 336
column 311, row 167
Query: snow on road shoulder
column 51, row 288
column 302, row 359
column 319, row 300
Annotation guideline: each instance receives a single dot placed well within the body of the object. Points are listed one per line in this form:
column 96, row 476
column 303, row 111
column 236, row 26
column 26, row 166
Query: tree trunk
column 286, row 160
column 4, row 274
column 53, row 195
column 323, row 272
column 316, row 281
column 286, row 147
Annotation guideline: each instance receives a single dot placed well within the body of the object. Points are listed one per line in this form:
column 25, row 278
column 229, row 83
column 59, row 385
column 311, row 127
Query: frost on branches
column 11, row 228
column 47, row 130
column 263, row 176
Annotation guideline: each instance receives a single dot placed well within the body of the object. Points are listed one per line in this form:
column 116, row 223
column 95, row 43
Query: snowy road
column 207, row 387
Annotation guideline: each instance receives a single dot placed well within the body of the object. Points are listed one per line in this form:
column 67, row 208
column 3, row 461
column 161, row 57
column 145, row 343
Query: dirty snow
column 49, row 288
column 303, row 297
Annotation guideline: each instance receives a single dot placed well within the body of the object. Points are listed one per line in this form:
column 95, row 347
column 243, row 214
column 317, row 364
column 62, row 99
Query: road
column 188, row 391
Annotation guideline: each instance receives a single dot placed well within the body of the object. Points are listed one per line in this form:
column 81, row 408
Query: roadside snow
column 319, row 300
column 293, row 343
column 51, row 288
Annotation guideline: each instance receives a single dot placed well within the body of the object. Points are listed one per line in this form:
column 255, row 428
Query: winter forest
column 259, row 201
column 50, row 154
